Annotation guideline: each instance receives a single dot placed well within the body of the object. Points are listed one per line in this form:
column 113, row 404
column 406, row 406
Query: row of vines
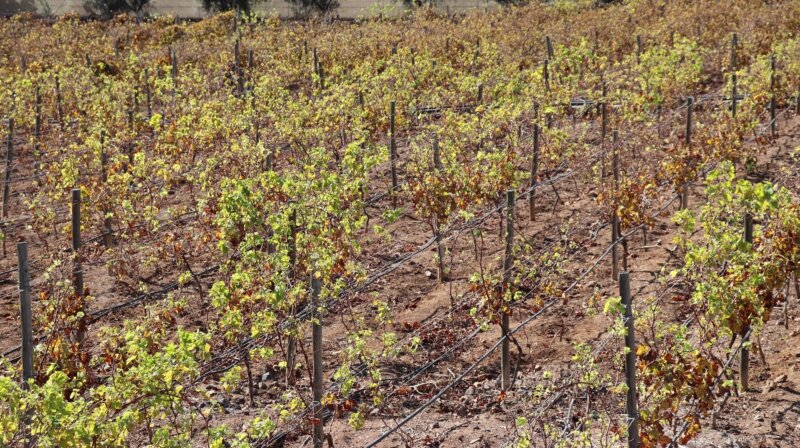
column 245, row 185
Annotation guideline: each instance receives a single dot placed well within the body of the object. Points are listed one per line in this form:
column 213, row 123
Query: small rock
column 781, row 379
column 265, row 377
column 435, row 425
column 428, row 274
column 470, row 392
column 374, row 412
column 758, row 418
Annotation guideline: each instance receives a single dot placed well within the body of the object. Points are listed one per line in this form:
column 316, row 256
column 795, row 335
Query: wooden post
column 9, row 161
column 638, row 49
column 689, row 107
column 147, row 94
column 549, row 44
column 615, row 227
column 59, row 106
column 534, row 172
column 546, row 74
column 316, row 341
column 315, row 67
column 236, row 20
column 615, row 156
column 393, row 151
column 614, row 249
column 236, row 53
column 291, row 344
column 250, row 59
column 76, row 237
column 77, row 270
column 25, row 313
column 108, row 231
column 773, row 124
column 480, row 92
column 688, row 142
column 440, row 252
column 37, row 131
column 734, row 43
column 603, row 129
column 27, row 330
column 797, row 103
column 505, row 356
column 174, row 58
column 631, row 406
column 744, row 356
column 733, row 94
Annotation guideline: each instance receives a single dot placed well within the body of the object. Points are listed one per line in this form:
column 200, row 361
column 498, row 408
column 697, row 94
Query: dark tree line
column 107, row 8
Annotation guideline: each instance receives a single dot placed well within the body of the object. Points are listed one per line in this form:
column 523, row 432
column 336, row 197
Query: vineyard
column 560, row 225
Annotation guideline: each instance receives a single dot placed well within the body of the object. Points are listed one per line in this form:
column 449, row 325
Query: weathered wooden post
column 316, row 342
column 291, row 345
column 615, row 227
column 108, row 231
column 773, row 124
column 688, row 142
column 638, row 50
column 37, row 132
column 27, row 329
column 744, row 356
column 9, row 161
column 77, row 270
column 59, row 105
column 25, row 312
column 508, row 260
column 393, row 152
column 440, row 252
column 174, row 59
column 147, row 94
column 534, row 171
column 546, row 74
column 631, row 406
column 603, row 130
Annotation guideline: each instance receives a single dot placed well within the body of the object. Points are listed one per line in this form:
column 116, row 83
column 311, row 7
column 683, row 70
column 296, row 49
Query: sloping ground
column 475, row 413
